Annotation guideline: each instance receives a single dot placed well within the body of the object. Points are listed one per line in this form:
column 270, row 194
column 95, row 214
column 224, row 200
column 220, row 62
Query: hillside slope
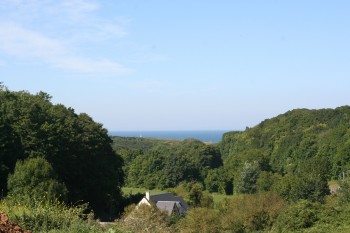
column 283, row 142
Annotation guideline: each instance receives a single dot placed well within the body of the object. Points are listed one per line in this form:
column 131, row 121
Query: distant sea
column 202, row 135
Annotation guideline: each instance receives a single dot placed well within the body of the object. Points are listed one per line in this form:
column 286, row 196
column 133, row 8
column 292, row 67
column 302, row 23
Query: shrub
column 43, row 215
column 145, row 218
column 247, row 213
column 207, row 200
column 246, row 181
column 201, row 220
column 344, row 191
column 36, row 177
column 266, row 180
column 193, row 194
column 302, row 214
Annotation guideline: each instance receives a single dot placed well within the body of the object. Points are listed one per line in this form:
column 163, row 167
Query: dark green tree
column 78, row 149
column 195, row 194
column 266, row 180
column 308, row 182
column 297, row 216
column 312, row 179
column 246, row 181
column 218, row 180
column 10, row 151
column 344, row 191
column 35, row 177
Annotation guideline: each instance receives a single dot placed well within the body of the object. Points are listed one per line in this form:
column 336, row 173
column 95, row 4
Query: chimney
column 147, row 195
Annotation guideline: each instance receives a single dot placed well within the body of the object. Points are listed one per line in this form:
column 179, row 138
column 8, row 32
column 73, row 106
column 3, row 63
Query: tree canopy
column 294, row 154
column 78, row 149
column 168, row 163
column 36, row 178
column 306, row 147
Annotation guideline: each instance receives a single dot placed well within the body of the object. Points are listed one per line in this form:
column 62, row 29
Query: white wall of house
column 144, row 201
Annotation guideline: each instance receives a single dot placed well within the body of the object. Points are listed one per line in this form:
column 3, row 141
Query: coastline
column 207, row 136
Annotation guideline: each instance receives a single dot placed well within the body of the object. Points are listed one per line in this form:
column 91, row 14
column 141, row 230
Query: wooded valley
column 289, row 173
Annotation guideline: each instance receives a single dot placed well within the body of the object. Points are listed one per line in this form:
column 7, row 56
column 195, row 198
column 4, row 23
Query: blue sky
column 178, row 65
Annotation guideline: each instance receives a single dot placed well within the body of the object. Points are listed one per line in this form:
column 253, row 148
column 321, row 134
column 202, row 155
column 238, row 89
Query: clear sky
column 180, row 64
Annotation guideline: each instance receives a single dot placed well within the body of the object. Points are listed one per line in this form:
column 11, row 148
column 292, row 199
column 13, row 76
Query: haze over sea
column 202, row 135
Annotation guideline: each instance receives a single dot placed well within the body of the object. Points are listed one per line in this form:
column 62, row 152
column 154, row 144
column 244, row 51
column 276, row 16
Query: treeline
column 291, row 152
column 291, row 138
column 167, row 163
column 48, row 150
column 294, row 154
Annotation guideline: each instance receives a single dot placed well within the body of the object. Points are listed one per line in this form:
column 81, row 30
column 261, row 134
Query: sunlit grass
column 129, row 190
column 218, row 197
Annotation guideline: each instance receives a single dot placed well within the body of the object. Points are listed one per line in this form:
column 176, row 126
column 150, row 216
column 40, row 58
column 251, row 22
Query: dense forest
column 286, row 167
column 166, row 163
column 280, row 149
column 49, row 149
column 59, row 171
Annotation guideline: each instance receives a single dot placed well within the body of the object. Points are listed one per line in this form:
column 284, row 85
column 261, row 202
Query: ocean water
column 202, row 135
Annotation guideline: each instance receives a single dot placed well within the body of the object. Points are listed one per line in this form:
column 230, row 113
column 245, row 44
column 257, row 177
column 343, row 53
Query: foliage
column 267, row 180
column 300, row 215
column 169, row 163
column 144, row 218
column 250, row 212
column 285, row 141
column 130, row 198
column 9, row 151
column 52, row 216
column 36, row 177
column 207, row 200
column 193, row 194
column 133, row 143
column 218, row 180
column 309, row 181
column 201, row 220
column 246, row 181
column 331, row 219
column 293, row 155
column 265, row 212
column 297, row 153
column 44, row 215
column 78, row 149
column 344, row 191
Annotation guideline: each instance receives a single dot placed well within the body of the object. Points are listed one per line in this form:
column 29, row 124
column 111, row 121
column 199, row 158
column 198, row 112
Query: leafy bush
column 248, row 213
column 308, row 182
column 194, row 195
column 36, row 177
column 300, row 215
column 218, row 180
column 201, row 220
column 246, row 181
column 344, row 191
column 43, row 215
column 146, row 219
column 266, row 181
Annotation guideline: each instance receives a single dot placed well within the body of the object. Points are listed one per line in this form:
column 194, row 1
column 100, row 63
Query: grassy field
column 129, row 190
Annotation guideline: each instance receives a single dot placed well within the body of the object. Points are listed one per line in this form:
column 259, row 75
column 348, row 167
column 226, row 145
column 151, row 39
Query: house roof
column 169, row 197
column 168, row 206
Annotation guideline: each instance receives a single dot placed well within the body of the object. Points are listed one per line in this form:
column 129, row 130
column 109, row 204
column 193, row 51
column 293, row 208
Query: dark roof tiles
column 169, row 197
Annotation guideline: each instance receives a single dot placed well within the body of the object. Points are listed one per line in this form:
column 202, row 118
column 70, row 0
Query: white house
column 167, row 202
